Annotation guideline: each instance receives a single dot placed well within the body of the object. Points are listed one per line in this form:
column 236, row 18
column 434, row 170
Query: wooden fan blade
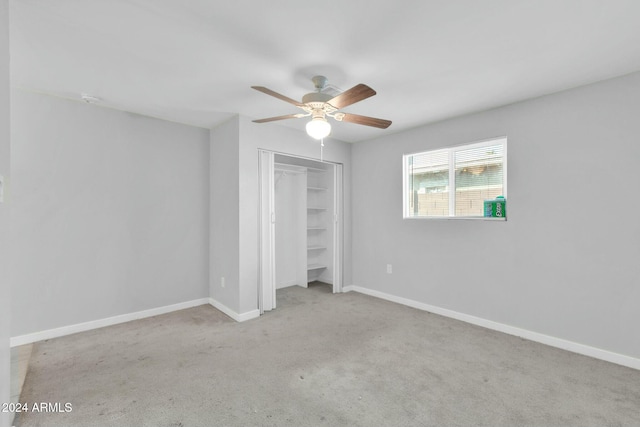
column 277, row 95
column 367, row 121
column 351, row 96
column 273, row 119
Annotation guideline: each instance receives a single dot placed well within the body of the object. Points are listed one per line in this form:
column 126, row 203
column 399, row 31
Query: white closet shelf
column 317, row 189
column 316, row 228
column 316, row 267
column 316, row 247
column 316, row 208
column 289, row 168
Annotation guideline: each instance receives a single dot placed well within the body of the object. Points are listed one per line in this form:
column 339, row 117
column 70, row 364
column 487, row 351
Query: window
column 455, row 181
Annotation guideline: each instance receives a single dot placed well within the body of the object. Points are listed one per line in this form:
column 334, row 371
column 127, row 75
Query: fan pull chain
column 321, row 147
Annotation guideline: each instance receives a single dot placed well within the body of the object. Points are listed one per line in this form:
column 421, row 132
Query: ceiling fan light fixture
column 320, row 105
column 318, row 128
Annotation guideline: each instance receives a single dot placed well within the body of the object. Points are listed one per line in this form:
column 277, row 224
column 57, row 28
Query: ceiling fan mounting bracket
column 320, row 82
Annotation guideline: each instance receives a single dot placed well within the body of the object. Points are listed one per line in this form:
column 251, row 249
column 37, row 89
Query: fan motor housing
column 316, row 97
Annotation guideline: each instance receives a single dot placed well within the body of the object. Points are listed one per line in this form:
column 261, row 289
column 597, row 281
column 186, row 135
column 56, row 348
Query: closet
column 305, row 221
column 300, row 224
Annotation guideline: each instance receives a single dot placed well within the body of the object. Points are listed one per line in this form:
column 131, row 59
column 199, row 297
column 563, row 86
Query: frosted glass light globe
column 318, row 128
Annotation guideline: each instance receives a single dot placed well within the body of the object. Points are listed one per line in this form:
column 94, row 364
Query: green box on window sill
column 495, row 208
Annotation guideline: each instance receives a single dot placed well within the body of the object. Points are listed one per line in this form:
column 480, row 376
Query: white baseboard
column 238, row 317
column 95, row 324
column 574, row 347
column 286, row 284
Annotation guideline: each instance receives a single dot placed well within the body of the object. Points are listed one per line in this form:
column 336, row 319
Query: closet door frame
column 267, row 235
column 266, row 222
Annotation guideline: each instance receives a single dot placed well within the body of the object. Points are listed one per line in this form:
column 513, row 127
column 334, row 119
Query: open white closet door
column 337, row 228
column 267, row 274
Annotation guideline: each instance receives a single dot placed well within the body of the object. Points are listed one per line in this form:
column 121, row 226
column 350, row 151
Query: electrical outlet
column 389, row 269
column 222, row 284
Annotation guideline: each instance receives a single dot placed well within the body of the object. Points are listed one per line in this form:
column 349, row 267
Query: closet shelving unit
column 317, row 221
column 304, row 221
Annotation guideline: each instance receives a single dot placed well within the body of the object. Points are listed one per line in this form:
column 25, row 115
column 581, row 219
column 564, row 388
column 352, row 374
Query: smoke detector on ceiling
column 89, row 99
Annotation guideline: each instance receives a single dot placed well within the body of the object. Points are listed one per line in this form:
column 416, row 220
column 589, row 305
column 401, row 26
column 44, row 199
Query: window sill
column 473, row 218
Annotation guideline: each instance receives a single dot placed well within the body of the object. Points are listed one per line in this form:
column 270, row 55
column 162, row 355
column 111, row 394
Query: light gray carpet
column 321, row 360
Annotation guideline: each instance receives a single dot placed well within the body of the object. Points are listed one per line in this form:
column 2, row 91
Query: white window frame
column 452, row 175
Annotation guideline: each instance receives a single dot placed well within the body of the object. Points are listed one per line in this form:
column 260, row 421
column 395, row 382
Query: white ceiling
column 193, row 61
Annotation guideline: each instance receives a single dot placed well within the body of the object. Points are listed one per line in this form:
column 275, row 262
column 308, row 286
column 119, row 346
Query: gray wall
column 225, row 205
column 110, row 212
column 5, row 295
column 565, row 264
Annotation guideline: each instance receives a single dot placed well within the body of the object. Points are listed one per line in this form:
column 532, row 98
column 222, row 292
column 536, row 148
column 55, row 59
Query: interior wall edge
column 224, row 252
column 574, row 347
column 238, row 317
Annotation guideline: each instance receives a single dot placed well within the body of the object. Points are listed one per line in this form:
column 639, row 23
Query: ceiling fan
column 320, row 105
